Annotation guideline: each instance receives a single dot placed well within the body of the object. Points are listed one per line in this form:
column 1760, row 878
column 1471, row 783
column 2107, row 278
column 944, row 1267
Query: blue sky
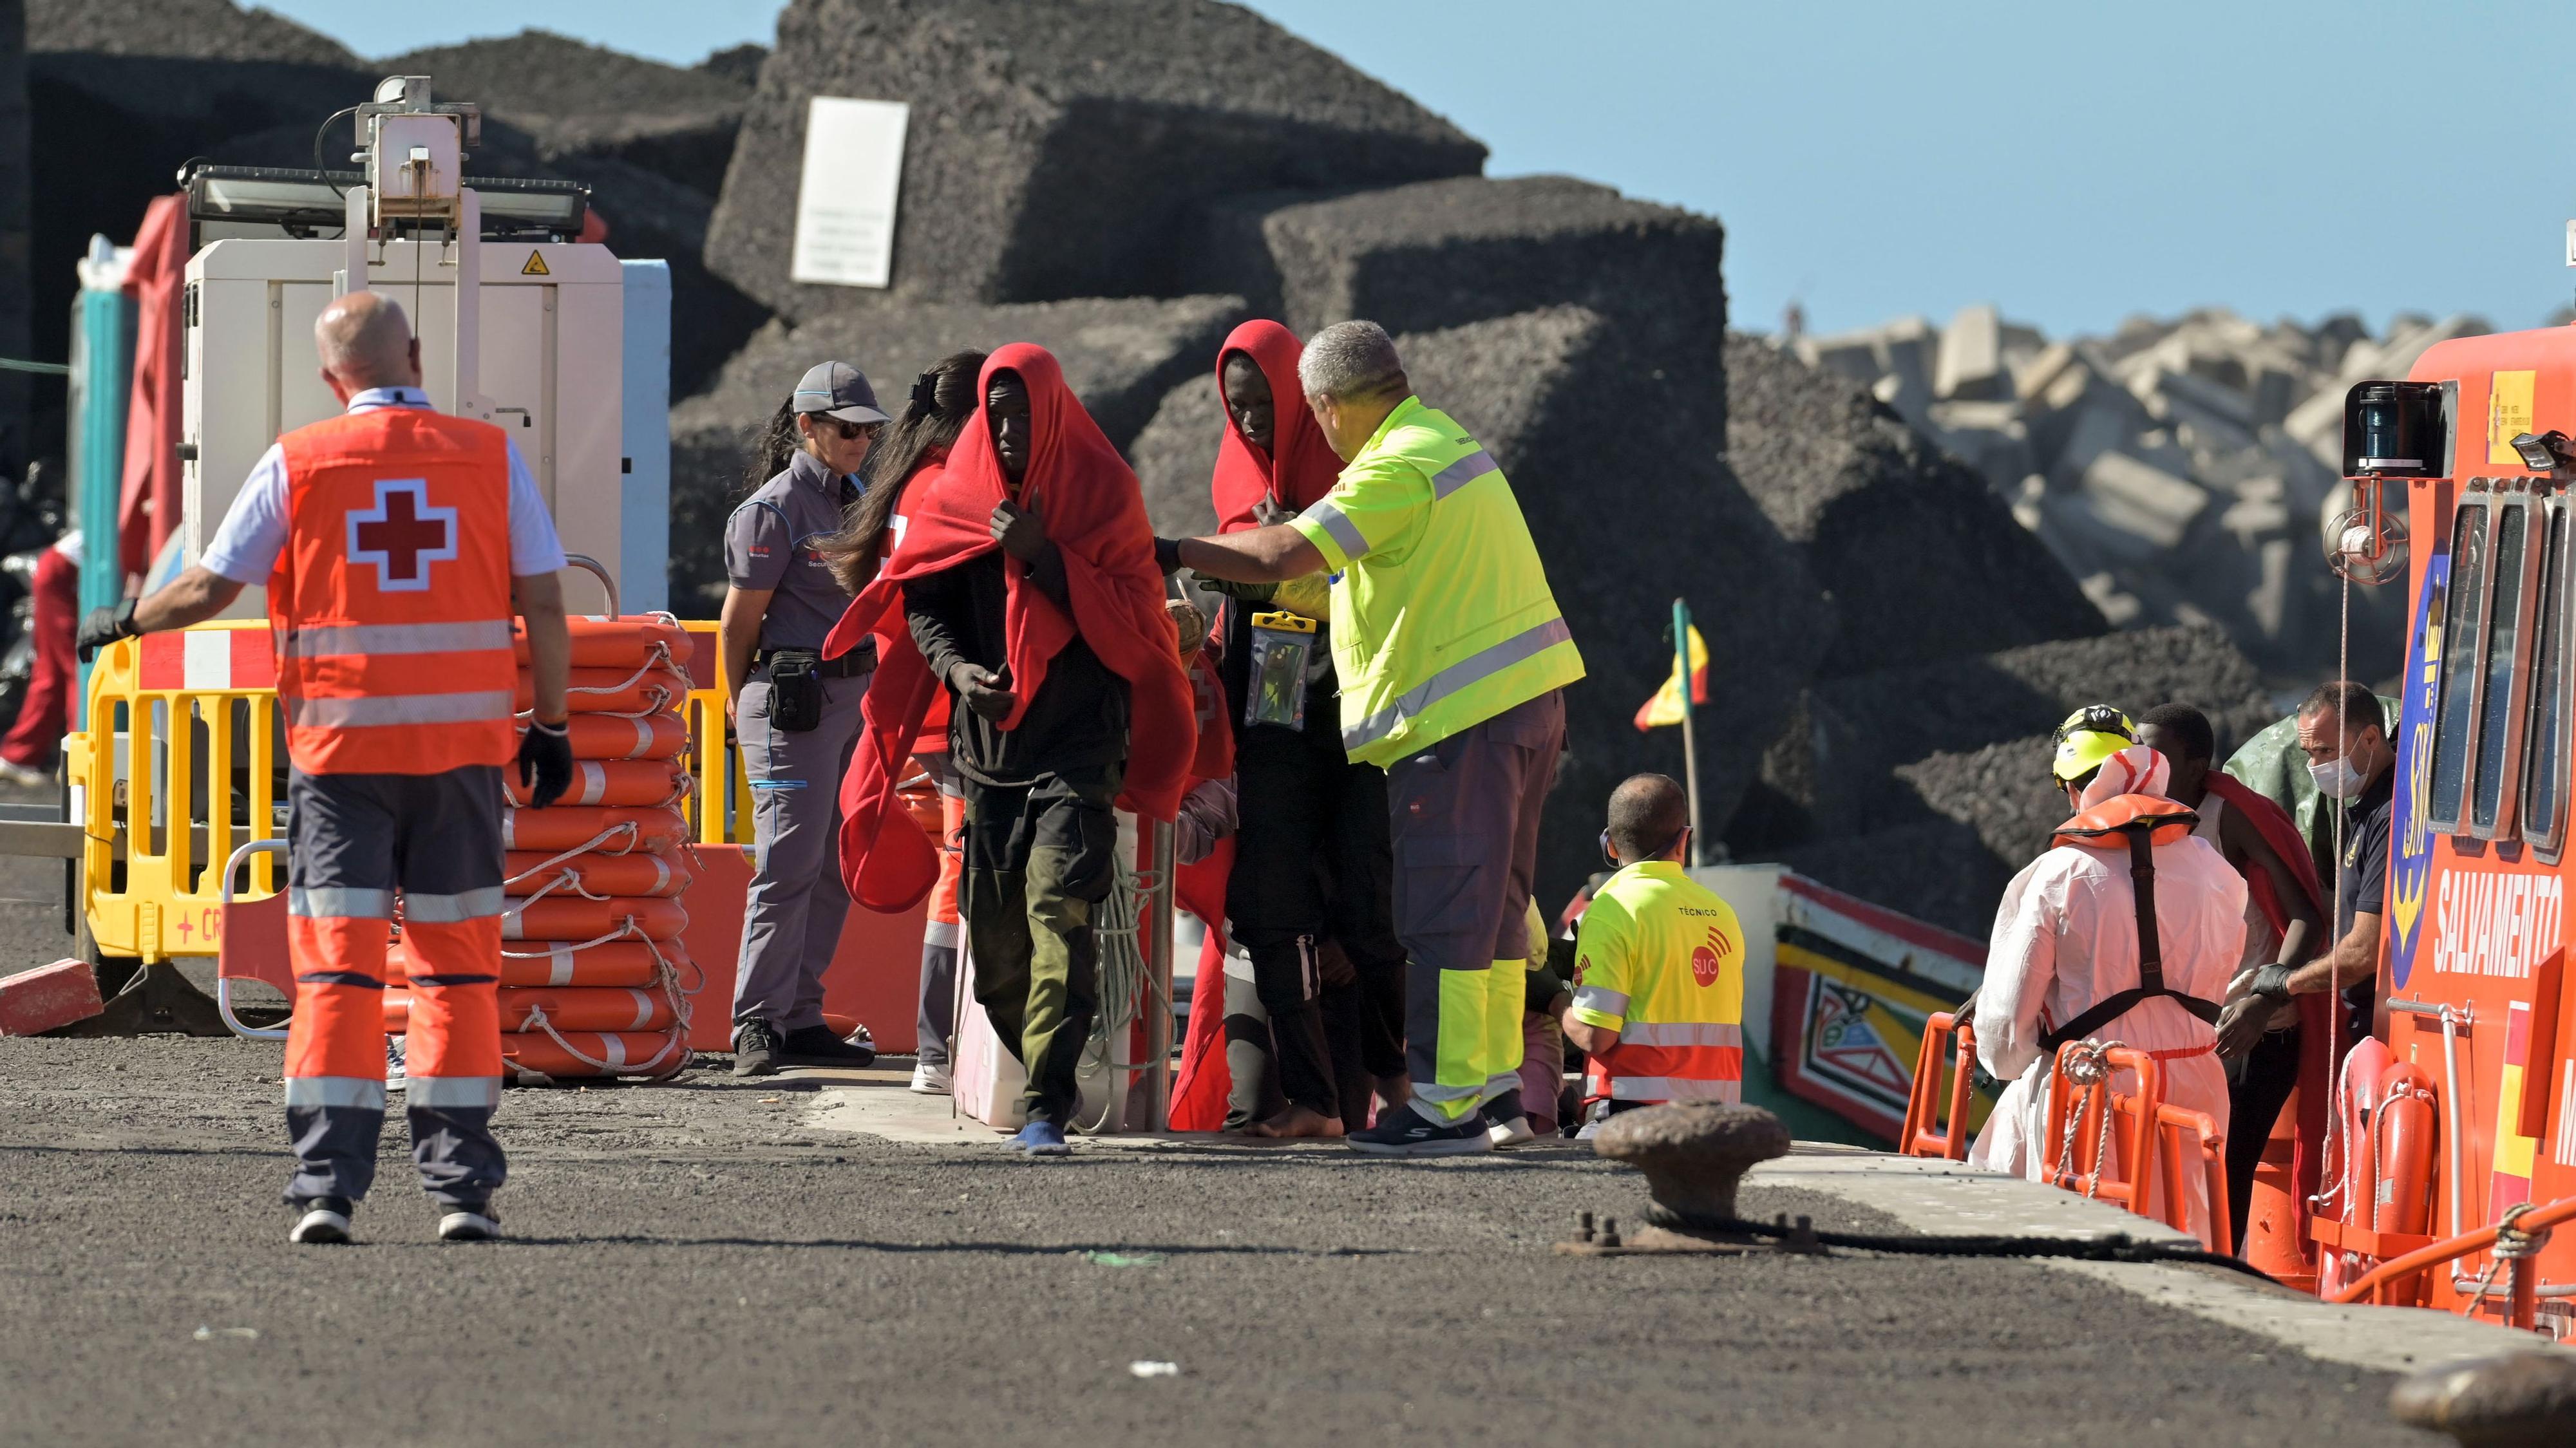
column 2075, row 162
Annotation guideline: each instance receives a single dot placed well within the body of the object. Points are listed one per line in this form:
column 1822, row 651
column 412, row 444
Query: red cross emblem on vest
column 402, row 536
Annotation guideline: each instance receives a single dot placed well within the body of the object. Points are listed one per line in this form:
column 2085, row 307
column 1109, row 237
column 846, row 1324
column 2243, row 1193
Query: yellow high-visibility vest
column 1442, row 617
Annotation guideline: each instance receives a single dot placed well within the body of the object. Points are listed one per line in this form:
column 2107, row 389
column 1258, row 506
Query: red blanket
column 1095, row 515
column 2315, row 1013
column 1300, row 467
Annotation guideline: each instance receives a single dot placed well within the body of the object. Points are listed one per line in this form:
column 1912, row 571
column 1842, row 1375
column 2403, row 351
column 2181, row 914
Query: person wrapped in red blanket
column 1025, row 585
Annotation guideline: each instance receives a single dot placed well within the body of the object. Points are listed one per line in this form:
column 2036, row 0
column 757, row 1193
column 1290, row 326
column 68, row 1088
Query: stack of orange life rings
column 594, row 979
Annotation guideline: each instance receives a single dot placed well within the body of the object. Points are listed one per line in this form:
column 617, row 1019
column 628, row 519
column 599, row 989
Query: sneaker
column 321, row 1221
column 19, row 775
column 469, row 1224
column 1410, row 1133
column 1041, row 1138
column 817, row 1046
column 930, row 1079
column 755, row 1049
column 1507, row 1130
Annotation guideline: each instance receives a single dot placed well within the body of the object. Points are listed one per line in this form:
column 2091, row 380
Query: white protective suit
column 2066, row 936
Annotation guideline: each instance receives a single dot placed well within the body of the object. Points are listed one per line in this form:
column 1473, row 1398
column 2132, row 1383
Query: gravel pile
column 1966, row 742
column 1121, row 357
column 1060, row 150
column 1888, row 522
column 184, row 29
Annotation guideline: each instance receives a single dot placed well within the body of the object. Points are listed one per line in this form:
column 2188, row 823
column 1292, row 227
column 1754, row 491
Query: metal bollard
column 2519, row 1400
column 1158, row 988
column 1693, row 1154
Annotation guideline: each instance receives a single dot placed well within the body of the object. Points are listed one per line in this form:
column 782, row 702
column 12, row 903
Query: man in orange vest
column 393, row 541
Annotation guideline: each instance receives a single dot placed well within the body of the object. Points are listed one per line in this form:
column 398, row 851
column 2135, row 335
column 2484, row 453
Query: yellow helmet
column 2090, row 735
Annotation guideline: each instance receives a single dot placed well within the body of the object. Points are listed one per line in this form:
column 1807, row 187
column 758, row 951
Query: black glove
column 2272, row 982
column 104, row 626
column 1241, row 592
column 545, row 762
column 1167, row 555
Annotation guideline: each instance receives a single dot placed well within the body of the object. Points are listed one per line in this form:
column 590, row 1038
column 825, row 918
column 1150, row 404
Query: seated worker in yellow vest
column 1658, row 968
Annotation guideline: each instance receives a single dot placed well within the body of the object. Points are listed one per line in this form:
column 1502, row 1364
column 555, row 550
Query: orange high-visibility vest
column 390, row 604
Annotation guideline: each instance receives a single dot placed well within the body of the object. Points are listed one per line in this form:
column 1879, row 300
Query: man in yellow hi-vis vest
column 1452, row 657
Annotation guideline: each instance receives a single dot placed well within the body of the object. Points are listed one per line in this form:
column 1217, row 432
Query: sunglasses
column 1612, row 855
column 850, row 431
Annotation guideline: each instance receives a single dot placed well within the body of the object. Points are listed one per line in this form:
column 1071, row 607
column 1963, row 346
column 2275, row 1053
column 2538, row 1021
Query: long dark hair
column 779, row 443
column 942, row 399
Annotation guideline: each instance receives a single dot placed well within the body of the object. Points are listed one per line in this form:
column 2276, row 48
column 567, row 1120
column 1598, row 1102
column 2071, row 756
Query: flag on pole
column 1666, row 707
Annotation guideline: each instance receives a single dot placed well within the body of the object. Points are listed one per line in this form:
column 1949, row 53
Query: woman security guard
column 796, row 715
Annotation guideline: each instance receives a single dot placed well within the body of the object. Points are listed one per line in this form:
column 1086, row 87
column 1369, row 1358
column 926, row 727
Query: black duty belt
column 860, row 660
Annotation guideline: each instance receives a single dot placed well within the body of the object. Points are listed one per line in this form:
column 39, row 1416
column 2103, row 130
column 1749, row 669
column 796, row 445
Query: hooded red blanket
column 1095, row 515
column 2315, row 1018
column 1300, row 467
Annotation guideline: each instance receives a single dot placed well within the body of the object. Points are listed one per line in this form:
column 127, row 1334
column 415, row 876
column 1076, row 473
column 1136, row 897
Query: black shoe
column 321, row 1221
column 755, row 1049
column 817, row 1046
column 1409, row 1133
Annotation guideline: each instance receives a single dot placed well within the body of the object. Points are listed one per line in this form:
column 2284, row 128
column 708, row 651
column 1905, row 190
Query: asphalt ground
column 697, row 1262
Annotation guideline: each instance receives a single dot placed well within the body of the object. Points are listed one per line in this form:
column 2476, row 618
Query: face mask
column 2338, row 779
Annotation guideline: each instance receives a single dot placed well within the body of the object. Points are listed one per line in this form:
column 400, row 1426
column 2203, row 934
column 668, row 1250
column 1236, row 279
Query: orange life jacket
column 390, row 603
column 2144, row 821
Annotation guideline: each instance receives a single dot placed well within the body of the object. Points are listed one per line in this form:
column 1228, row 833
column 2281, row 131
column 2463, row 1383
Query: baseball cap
column 837, row 389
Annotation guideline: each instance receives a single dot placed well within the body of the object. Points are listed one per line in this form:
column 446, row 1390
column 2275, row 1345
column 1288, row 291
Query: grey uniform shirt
column 770, row 543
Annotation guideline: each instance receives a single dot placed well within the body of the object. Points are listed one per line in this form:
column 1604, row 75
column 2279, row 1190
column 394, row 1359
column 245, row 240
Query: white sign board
column 845, row 200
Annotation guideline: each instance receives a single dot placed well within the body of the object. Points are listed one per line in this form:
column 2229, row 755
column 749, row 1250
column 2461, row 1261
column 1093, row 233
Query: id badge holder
column 1282, row 645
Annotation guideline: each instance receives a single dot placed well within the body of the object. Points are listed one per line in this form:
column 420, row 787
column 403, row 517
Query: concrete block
column 48, row 998
column 1121, row 357
column 1439, row 254
column 1533, row 389
column 2139, row 498
column 1887, row 521
column 578, row 99
column 1972, row 357
column 1043, row 160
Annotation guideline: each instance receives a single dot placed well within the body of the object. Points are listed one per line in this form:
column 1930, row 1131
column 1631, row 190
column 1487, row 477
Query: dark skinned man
column 2284, row 921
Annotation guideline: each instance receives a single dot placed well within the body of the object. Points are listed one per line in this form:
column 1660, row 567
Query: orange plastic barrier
column 2132, row 1126
column 1927, row 1132
column 571, row 827
column 629, row 783
column 615, row 691
column 532, row 872
column 574, row 963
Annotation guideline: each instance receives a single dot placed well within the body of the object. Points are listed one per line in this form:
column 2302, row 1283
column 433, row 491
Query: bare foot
column 1297, row 1122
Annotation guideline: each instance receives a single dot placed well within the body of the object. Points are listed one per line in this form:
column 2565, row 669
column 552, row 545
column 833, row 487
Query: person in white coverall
column 2066, row 937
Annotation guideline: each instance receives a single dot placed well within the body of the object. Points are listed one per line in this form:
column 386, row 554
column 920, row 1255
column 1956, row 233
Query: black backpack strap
column 2151, row 964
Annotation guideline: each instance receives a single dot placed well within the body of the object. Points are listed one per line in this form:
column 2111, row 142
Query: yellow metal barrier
column 183, row 760
column 180, row 763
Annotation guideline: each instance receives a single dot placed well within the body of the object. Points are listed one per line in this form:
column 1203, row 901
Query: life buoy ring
column 571, row 963
column 528, row 872
column 620, row 736
column 628, row 783
column 558, row 917
column 597, row 1053
column 576, row 827
column 615, row 691
column 588, row 1008
column 608, row 643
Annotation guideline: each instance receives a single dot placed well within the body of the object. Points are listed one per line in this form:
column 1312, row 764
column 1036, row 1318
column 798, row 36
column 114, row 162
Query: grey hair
column 1349, row 360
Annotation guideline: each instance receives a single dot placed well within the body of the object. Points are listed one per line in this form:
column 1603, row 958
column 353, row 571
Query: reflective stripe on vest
column 1461, row 626
column 390, row 603
column 1460, row 675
